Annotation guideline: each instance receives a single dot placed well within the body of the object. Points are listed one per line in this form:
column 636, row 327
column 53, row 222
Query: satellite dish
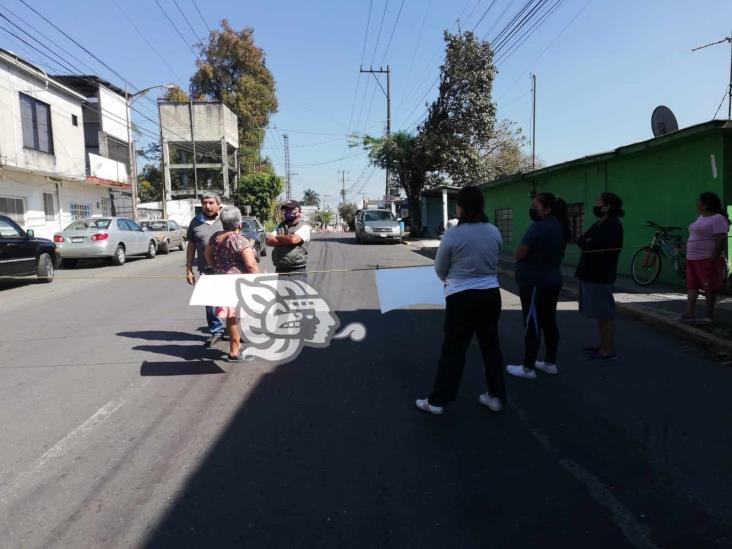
column 663, row 121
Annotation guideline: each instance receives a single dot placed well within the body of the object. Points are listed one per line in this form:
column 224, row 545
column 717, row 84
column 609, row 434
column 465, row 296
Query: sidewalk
column 659, row 305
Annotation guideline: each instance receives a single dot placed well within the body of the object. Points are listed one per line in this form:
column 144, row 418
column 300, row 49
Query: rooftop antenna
column 729, row 87
column 663, row 121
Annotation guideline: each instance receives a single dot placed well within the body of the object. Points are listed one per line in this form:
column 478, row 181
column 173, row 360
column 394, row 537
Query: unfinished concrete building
column 200, row 148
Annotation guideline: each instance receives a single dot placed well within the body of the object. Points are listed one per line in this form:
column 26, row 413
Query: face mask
column 534, row 214
column 290, row 216
column 597, row 210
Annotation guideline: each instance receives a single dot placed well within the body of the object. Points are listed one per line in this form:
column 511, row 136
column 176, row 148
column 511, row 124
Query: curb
column 655, row 319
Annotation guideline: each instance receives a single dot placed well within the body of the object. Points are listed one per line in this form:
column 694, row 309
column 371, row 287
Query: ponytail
column 558, row 208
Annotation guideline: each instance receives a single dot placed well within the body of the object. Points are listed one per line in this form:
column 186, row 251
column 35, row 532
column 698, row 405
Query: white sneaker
column 424, row 405
column 495, row 404
column 546, row 367
column 518, row 370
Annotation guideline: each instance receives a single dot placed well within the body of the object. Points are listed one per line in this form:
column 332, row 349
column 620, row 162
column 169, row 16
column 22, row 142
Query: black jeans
column 539, row 305
column 467, row 313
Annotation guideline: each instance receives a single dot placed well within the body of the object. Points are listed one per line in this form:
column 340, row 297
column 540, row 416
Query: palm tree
column 310, row 198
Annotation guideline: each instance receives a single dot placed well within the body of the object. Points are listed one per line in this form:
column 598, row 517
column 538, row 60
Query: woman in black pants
column 539, row 277
column 466, row 261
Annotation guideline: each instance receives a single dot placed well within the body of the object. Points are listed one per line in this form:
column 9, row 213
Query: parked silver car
column 252, row 229
column 372, row 225
column 107, row 237
column 167, row 233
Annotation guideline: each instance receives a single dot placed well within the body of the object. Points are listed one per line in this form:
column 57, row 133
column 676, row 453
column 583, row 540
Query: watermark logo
column 279, row 317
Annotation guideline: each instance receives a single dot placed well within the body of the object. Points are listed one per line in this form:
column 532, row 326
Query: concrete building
column 659, row 180
column 49, row 174
column 200, row 147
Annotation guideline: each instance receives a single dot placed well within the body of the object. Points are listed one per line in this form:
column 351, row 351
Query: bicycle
column 648, row 261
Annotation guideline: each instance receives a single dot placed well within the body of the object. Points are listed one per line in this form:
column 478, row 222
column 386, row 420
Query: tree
column 347, row 211
column 260, row 190
column 176, row 94
column 149, row 184
column 456, row 137
column 323, row 217
column 401, row 155
column 310, row 198
column 232, row 69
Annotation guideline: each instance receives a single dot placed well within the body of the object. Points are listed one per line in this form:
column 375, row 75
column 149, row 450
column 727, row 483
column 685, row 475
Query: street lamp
column 132, row 161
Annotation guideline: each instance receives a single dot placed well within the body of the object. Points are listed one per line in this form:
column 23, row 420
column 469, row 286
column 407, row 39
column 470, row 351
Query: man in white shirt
column 291, row 241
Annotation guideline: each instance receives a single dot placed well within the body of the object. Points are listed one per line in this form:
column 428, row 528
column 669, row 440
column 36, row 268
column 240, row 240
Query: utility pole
column 193, row 143
column 131, row 168
column 387, row 93
column 729, row 87
column 288, row 181
column 343, row 185
column 533, row 121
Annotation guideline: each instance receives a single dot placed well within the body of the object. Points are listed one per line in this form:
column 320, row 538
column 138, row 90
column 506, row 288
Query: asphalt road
column 119, row 430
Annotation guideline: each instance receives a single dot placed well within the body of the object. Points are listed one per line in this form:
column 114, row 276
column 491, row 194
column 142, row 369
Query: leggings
column 539, row 305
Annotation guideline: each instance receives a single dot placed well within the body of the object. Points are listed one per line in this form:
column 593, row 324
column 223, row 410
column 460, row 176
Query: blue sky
column 602, row 66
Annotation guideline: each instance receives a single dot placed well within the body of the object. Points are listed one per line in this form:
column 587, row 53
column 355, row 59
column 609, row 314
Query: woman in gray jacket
column 467, row 262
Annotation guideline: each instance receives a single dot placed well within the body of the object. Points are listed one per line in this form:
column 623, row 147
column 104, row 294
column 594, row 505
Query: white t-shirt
column 303, row 232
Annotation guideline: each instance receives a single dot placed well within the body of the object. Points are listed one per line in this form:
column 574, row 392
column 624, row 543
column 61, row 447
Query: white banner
column 400, row 288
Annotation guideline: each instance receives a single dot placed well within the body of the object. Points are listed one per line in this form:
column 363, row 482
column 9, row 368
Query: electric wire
column 185, row 18
column 195, row 5
column 175, row 28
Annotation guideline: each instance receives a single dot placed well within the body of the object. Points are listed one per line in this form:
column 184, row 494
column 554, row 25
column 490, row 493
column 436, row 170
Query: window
column 118, row 150
column 379, row 215
column 8, row 230
column 576, row 216
column 49, row 208
column 14, row 208
column 80, row 211
column 35, row 116
column 105, row 206
column 133, row 226
column 504, row 222
column 74, row 120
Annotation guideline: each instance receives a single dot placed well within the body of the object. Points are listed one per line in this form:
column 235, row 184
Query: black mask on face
column 597, row 210
column 534, row 214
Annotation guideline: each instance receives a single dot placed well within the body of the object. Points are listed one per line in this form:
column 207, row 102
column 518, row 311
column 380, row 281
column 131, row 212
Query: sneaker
column 546, row 367
column 213, row 340
column 424, row 405
column 518, row 370
column 603, row 358
column 494, row 404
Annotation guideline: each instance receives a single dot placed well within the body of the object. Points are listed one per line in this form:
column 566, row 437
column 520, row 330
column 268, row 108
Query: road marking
column 69, row 441
column 637, row 534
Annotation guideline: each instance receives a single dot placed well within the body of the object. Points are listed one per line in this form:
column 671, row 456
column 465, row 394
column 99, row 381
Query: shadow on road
column 329, row 451
column 182, row 352
column 162, row 335
column 180, row 368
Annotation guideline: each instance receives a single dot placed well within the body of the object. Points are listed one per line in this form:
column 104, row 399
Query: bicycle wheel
column 646, row 266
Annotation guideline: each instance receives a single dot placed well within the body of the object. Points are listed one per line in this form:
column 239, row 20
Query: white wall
column 30, row 188
column 114, row 114
column 211, row 122
column 106, row 168
column 68, row 140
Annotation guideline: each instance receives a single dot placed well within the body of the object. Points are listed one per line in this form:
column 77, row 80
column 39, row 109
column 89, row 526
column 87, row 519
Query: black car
column 22, row 254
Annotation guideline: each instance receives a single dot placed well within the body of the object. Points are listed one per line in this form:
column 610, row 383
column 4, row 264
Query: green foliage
column 260, row 190
column 149, row 184
column 323, row 217
column 232, row 69
column 176, row 94
column 310, row 198
column 347, row 211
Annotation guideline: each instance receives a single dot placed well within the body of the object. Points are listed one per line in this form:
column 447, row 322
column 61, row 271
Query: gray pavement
column 119, row 430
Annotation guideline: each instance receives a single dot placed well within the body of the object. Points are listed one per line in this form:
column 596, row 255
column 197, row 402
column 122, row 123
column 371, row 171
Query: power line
column 185, row 18
column 144, row 37
column 195, row 5
column 175, row 27
column 414, row 53
column 393, row 29
column 378, row 35
column 483, row 16
column 529, row 32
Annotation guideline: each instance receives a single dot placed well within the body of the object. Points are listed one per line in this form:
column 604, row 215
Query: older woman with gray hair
column 228, row 252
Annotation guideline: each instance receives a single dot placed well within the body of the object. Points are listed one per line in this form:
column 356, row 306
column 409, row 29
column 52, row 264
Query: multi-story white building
column 50, row 173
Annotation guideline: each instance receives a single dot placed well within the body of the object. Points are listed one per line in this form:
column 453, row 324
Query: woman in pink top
column 704, row 263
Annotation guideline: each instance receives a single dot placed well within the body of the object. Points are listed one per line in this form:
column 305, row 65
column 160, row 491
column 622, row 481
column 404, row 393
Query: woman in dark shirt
column 539, row 277
column 597, row 270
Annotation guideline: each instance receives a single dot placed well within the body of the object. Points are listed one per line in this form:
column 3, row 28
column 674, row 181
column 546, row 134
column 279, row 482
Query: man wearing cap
column 290, row 241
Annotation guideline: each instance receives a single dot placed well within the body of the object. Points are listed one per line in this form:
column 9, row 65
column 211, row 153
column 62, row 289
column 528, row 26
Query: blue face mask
column 290, row 216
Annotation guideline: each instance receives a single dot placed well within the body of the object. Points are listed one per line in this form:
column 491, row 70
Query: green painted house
column 659, row 180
